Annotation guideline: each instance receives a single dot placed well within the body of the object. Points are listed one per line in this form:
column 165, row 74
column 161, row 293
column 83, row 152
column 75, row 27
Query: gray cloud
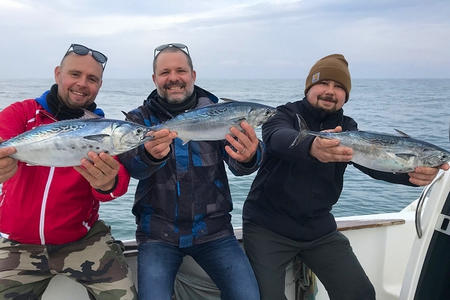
column 231, row 39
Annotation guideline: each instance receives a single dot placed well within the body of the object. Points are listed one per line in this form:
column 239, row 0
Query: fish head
column 258, row 115
column 128, row 136
column 435, row 157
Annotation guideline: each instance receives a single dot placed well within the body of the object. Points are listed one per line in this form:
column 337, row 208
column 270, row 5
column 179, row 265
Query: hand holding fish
column 8, row 165
column 330, row 150
column 425, row 175
column 100, row 171
column 245, row 142
column 159, row 146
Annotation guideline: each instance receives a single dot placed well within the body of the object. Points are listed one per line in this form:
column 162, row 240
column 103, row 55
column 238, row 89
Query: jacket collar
column 50, row 96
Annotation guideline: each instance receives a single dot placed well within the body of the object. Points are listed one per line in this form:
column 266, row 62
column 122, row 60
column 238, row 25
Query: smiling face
column 327, row 95
column 173, row 77
column 79, row 78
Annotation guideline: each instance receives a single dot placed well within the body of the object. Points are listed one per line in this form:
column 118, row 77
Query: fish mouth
column 269, row 113
column 145, row 137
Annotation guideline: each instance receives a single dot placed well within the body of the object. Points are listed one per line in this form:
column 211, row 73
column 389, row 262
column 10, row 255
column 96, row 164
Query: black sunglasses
column 182, row 47
column 83, row 50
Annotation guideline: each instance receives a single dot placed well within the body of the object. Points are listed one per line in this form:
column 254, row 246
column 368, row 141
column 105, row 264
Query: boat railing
column 420, row 204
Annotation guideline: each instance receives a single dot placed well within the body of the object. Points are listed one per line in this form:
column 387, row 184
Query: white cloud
column 11, row 5
column 234, row 38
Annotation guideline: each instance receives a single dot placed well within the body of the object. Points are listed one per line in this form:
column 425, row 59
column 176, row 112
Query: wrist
column 109, row 187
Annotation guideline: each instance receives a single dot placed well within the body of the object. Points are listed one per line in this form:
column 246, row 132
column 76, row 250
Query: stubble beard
column 164, row 93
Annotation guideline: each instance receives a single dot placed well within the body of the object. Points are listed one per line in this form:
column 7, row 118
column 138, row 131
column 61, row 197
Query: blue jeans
column 223, row 260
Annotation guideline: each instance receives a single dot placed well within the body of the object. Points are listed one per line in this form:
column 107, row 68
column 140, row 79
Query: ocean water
column 418, row 107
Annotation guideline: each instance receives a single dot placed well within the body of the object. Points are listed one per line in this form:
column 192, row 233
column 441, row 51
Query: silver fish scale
column 382, row 152
column 213, row 122
column 46, row 133
column 65, row 143
column 389, row 153
column 375, row 138
column 216, row 112
column 205, row 112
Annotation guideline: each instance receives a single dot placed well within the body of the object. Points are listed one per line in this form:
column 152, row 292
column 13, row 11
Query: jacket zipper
column 44, row 204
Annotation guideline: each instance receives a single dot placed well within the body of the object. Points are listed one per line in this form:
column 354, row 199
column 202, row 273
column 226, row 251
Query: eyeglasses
column 83, row 50
column 182, row 47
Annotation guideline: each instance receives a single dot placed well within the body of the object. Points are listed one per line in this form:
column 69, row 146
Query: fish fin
column 227, row 99
column 233, row 100
column 96, row 137
column 405, row 156
column 301, row 133
column 130, row 117
column 401, row 133
column 127, row 115
column 89, row 115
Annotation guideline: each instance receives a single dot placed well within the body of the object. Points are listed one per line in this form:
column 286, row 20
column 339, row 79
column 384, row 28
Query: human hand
column 425, row 175
column 244, row 142
column 159, row 146
column 326, row 150
column 8, row 165
column 100, row 171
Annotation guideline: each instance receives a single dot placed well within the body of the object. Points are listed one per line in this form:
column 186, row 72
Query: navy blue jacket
column 293, row 192
column 185, row 198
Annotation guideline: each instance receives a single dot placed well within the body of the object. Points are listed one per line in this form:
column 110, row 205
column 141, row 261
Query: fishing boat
column 405, row 254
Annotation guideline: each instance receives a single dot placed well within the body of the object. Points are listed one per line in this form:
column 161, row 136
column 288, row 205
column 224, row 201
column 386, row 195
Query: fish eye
column 139, row 130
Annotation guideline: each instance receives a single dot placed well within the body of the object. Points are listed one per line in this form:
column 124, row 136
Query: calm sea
column 419, row 107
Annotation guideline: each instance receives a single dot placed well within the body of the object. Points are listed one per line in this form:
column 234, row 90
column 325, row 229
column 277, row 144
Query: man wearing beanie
column 288, row 209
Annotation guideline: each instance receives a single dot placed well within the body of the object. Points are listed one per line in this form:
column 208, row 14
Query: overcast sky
column 231, row 38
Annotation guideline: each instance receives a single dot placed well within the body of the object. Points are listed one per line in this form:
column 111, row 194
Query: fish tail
column 302, row 133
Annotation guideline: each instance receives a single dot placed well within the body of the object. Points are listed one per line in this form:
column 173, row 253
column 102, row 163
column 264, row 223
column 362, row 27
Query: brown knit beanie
column 331, row 67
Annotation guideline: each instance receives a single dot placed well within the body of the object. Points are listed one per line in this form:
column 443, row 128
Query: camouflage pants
column 96, row 261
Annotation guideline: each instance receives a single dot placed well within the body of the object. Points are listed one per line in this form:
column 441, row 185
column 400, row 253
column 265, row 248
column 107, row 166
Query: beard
column 183, row 93
column 327, row 104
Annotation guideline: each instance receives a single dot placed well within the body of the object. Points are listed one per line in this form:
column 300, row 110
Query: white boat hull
column 387, row 246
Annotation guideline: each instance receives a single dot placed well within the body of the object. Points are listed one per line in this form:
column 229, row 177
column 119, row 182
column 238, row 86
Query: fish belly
column 204, row 133
column 57, row 152
column 385, row 162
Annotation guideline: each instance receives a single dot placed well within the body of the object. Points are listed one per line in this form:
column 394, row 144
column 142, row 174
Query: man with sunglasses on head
column 183, row 202
column 49, row 222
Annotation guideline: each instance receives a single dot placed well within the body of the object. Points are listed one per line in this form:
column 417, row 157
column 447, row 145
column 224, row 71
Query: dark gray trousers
column 331, row 258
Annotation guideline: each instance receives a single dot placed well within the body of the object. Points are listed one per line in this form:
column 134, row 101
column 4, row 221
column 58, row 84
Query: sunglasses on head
column 182, row 47
column 83, row 50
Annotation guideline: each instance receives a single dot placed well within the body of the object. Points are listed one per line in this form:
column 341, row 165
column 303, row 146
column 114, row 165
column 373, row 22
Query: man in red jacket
column 49, row 222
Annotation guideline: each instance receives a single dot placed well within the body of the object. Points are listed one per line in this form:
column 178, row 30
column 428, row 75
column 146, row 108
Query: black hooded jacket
column 293, row 192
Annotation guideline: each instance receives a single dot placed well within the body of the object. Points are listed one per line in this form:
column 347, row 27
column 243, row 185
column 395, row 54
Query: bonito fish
column 383, row 152
column 214, row 121
column 65, row 143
